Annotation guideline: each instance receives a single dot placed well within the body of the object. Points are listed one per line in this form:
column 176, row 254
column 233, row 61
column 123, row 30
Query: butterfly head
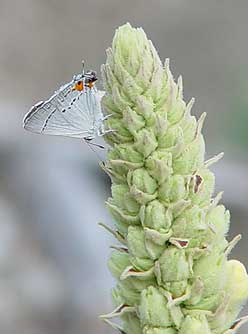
column 90, row 78
column 81, row 80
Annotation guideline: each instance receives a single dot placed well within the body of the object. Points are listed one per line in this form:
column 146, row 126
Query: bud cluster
column 172, row 269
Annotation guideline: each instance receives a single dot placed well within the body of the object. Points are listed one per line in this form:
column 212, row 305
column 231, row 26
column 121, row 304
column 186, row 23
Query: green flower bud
column 142, row 248
column 153, row 309
column 188, row 125
column 171, row 137
column 146, row 142
column 155, row 216
column 195, row 325
column 219, row 220
column 122, row 215
column 144, row 107
column 141, row 179
column 124, row 293
column 192, row 226
column 118, row 262
column 133, row 121
column 142, row 185
column 159, row 165
column 127, row 152
column 121, row 132
column 191, row 159
column 136, row 242
column 173, row 267
column 174, row 189
column 123, row 199
column 176, row 111
column 212, row 270
column 177, row 289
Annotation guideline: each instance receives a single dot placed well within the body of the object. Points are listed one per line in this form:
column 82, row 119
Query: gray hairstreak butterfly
column 74, row 110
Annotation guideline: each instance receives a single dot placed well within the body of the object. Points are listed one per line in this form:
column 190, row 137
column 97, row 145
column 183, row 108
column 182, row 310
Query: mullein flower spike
column 172, row 271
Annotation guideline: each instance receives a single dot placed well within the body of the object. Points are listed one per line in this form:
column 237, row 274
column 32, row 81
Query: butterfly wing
column 67, row 113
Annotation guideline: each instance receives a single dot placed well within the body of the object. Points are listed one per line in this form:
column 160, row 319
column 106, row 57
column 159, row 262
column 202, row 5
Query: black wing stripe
column 47, row 120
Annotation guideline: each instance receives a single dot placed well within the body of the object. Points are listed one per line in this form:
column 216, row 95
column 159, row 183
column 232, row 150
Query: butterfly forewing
column 68, row 113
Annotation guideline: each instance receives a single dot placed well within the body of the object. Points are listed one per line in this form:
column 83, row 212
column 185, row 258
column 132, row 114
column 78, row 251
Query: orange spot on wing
column 90, row 84
column 79, row 86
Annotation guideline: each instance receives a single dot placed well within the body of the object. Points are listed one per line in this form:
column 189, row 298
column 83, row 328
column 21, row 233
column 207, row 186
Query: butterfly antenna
column 91, row 145
column 83, row 67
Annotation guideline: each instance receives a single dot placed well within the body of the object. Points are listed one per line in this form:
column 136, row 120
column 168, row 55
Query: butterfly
column 74, row 110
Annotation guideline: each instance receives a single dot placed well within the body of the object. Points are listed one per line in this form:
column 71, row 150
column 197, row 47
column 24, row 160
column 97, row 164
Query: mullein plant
column 171, row 265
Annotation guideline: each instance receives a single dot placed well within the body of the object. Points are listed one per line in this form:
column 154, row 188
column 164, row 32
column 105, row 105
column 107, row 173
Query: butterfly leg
column 101, row 130
column 109, row 131
column 88, row 141
column 107, row 116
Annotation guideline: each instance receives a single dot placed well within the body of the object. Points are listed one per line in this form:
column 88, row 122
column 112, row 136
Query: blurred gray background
column 53, row 274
